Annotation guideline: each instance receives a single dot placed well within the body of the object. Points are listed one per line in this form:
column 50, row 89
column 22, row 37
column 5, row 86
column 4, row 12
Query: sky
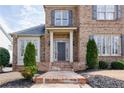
column 18, row 17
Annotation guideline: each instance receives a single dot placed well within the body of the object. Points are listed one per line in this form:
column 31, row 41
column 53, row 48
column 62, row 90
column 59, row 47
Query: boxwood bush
column 117, row 65
column 103, row 64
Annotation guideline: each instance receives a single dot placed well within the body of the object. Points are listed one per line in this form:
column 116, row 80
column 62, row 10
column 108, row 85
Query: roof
column 6, row 34
column 33, row 31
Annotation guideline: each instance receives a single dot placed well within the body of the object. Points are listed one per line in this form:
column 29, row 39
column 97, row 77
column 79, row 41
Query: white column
column 71, row 46
column 51, row 46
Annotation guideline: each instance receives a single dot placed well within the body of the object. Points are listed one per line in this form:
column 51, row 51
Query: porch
column 61, row 44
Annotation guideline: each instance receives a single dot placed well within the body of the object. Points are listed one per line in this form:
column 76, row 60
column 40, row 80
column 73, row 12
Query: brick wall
column 89, row 27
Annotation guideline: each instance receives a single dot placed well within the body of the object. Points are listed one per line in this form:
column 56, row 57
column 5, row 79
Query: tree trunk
column 1, row 70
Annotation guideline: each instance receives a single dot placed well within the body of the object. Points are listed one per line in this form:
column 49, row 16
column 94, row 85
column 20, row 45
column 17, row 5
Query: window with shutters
column 106, row 12
column 61, row 18
column 108, row 45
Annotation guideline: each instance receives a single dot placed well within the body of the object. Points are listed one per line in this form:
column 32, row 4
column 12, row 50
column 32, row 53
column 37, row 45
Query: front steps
column 61, row 77
column 61, row 66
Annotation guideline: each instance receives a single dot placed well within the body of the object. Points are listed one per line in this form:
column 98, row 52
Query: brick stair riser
column 63, row 81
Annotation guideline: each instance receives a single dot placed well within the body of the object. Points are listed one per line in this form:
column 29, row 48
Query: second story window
column 106, row 12
column 61, row 18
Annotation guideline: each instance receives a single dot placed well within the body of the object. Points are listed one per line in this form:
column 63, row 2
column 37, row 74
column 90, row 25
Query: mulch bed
column 21, row 83
column 99, row 81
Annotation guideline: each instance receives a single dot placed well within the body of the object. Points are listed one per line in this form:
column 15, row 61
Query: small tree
column 4, row 58
column 29, row 61
column 92, row 54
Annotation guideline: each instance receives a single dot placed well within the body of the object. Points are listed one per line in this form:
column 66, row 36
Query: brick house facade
column 61, row 42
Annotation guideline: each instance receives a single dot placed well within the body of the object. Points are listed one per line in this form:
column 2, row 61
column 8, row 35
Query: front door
column 61, row 51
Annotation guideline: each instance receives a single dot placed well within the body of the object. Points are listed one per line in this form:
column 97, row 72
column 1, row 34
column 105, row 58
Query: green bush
column 103, row 65
column 29, row 55
column 30, row 67
column 92, row 54
column 28, row 73
column 117, row 65
column 4, row 57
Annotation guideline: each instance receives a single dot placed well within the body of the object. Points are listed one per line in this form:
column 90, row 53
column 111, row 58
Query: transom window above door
column 62, row 18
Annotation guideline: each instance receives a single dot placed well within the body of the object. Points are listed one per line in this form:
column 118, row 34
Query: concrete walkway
column 6, row 77
column 60, row 86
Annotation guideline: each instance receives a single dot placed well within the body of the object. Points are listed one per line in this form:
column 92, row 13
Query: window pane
column 107, row 40
column 116, row 45
column 62, row 18
column 100, row 16
column 108, row 45
column 98, row 43
column 103, row 45
column 109, row 16
column 57, row 14
column 58, row 22
column 57, row 18
column 65, row 15
column 36, row 47
column 22, row 47
column 65, row 22
column 105, row 12
column 101, row 8
column 110, row 8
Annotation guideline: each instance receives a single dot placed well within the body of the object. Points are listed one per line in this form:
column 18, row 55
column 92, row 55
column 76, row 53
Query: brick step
column 61, row 66
column 63, row 81
column 64, row 77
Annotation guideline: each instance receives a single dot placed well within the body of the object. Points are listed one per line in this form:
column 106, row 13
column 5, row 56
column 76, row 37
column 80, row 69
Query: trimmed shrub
column 117, row 65
column 29, row 55
column 30, row 67
column 103, row 65
column 92, row 54
column 28, row 72
column 4, row 57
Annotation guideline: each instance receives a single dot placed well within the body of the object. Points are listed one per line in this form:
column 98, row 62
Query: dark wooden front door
column 61, row 51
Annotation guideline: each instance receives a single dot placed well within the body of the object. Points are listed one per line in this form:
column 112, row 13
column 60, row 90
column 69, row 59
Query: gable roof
column 33, row 31
column 6, row 34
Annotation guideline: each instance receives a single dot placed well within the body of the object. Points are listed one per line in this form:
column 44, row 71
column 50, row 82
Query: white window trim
column 61, row 19
column 20, row 58
column 109, row 54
